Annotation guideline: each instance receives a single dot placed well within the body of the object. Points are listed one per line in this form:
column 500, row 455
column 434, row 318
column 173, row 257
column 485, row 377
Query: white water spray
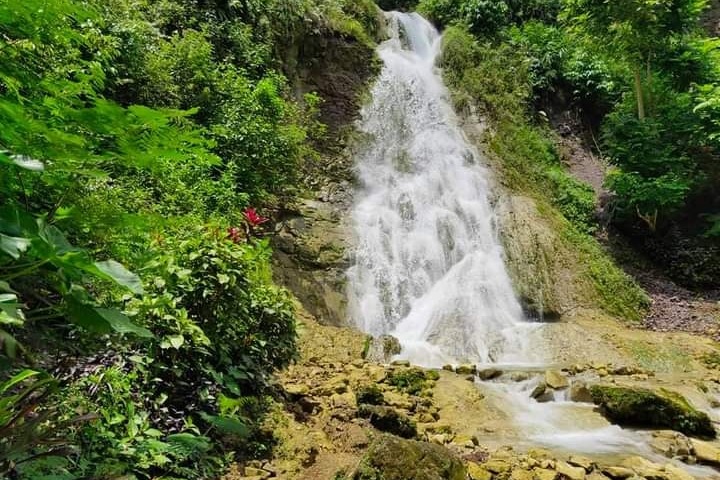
column 429, row 267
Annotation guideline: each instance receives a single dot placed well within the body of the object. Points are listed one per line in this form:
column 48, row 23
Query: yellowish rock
column 476, row 472
column 556, row 380
column 521, row 474
column 642, row 467
column 675, row 473
column 497, row 466
column 705, row 452
column 618, row 472
column 582, row 462
column 570, row 472
column 544, row 474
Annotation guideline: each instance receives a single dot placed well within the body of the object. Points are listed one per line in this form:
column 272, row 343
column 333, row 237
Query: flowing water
column 429, row 267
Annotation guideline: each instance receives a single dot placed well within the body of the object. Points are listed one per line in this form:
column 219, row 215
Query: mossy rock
column 392, row 458
column 651, row 408
column 413, row 380
column 387, row 419
column 370, row 395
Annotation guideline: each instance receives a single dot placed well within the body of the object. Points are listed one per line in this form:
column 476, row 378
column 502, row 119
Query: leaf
column 227, row 425
column 116, row 272
column 13, row 246
column 172, row 341
column 23, row 375
column 102, row 320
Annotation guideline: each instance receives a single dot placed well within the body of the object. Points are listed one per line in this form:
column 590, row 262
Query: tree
column 634, row 30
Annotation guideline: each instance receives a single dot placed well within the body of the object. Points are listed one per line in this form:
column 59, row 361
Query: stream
column 429, row 266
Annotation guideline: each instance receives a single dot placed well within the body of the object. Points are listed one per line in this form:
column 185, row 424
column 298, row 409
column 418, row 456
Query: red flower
column 234, row 234
column 252, row 217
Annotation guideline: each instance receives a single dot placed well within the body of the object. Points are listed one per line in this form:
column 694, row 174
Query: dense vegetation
column 643, row 71
column 145, row 141
column 139, row 321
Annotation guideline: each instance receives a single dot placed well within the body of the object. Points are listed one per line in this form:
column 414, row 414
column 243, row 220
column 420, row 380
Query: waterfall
column 428, row 264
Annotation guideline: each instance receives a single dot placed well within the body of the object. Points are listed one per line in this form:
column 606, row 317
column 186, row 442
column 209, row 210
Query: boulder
column 489, row 373
column 675, row 473
column 476, row 472
column 542, row 393
column 466, row 369
column 579, row 392
column 570, row 472
column 387, row 419
column 651, row 408
column 582, row 462
column 671, row 444
column 383, row 348
column 369, row 394
column 545, row 474
column 618, row 473
column 392, row 458
column 705, row 452
column 556, row 380
column 644, row 468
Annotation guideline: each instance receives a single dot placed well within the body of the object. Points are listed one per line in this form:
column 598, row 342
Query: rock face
column 556, row 380
column 651, row 408
column 391, row 458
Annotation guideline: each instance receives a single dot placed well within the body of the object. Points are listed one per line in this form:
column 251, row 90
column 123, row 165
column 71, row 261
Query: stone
column 556, row 380
column 382, row 349
column 579, row 392
column 651, row 408
column 448, row 368
column 387, row 419
column 582, row 462
column 544, row 474
column 256, row 473
column 602, row 372
column 369, row 394
column 297, row 389
column 497, row 466
column 393, row 458
column 438, row 439
column 705, row 452
column 671, row 444
column 489, row 373
column 520, row 376
column 521, row 474
column 619, row 473
column 401, row 363
column 570, row 472
column 675, row 473
column 644, row 468
column 538, row 390
column 476, row 472
column 468, row 369
column 595, row 475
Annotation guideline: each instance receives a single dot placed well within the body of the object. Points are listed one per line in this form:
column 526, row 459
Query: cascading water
column 429, row 267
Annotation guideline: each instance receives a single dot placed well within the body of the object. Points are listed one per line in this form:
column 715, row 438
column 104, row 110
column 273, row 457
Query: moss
column 647, row 408
column 370, row 395
column 387, row 419
column 390, row 458
column 413, row 380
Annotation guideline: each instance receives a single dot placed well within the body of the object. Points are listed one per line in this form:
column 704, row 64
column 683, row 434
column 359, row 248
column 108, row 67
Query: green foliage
column 369, row 394
column 413, row 380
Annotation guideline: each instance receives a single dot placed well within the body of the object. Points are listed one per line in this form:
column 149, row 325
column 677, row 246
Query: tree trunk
column 639, row 95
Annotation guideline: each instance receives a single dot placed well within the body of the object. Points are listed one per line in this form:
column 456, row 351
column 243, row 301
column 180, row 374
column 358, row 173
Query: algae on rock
column 651, row 408
column 392, row 458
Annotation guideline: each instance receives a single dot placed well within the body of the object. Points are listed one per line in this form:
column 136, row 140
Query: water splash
column 429, row 267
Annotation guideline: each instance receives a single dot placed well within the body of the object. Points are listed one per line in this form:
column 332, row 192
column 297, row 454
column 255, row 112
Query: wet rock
column 401, row 363
column 644, row 468
column 542, row 393
column 570, row 472
column 392, row 458
column 556, row 380
column 651, row 408
column 579, row 392
column 671, row 444
column 387, row 419
column 675, row 473
column 476, row 472
column 618, row 473
column 520, row 376
column 383, row 348
column 582, row 462
column 466, row 369
column 705, row 452
column 489, row 373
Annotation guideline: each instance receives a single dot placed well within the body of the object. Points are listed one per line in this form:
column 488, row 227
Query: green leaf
column 227, row 425
column 13, row 246
column 102, row 320
column 116, row 272
column 20, row 377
